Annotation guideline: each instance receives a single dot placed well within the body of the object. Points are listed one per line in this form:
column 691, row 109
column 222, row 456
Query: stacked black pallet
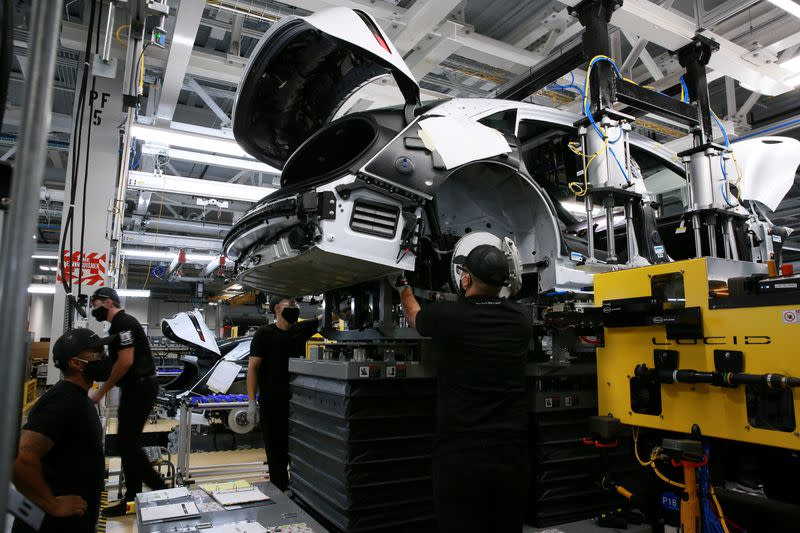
column 566, row 471
column 361, row 451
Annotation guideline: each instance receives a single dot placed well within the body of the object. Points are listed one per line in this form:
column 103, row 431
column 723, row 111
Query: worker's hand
column 252, row 412
column 96, row 395
column 400, row 283
column 67, row 506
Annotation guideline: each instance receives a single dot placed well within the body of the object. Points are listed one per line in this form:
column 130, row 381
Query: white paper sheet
column 238, row 497
column 223, row 376
column 238, row 353
column 460, row 140
column 164, row 495
column 238, row 527
column 174, row 511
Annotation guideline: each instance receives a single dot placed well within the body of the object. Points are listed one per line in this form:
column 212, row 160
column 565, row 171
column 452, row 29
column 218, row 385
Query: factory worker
column 481, row 466
column 268, row 375
column 134, row 372
column 60, row 464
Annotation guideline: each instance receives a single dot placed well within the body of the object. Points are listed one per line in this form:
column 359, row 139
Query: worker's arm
column 121, row 366
column 410, row 305
column 29, row 480
column 253, row 367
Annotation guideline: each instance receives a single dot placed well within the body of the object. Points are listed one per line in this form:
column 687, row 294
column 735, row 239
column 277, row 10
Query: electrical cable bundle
column 709, row 505
column 578, row 188
column 76, row 140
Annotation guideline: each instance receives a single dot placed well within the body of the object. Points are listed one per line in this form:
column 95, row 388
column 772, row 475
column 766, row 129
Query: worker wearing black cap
column 134, row 373
column 268, row 374
column 60, row 464
column 480, row 461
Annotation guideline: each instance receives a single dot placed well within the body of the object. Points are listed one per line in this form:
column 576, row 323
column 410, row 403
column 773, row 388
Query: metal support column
column 589, row 226
column 611, row 245
column 17, row 245
column 630, row 231
column 694, row 58
column 698, row 242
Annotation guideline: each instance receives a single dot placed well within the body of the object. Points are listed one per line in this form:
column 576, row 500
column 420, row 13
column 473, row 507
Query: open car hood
column 190, row 329
column 301, row 72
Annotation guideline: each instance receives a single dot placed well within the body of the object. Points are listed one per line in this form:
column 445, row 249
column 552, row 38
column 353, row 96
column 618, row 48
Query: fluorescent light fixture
column 212, row 304
column 44, row 256
column 45, row 268
column 40, row 288
column 788, row 5
column 203, row 143
column 220, row 190
column 134, row 293
column 149, row 254
column 209, row 159
column 166, row 256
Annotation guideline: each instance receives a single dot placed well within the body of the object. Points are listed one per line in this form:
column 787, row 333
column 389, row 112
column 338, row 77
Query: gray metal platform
column 586, row 526
column 280, row 511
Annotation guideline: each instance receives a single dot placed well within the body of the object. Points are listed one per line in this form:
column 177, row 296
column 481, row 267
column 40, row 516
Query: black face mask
column 100, row 313
column 290, row 314
column 99, row 370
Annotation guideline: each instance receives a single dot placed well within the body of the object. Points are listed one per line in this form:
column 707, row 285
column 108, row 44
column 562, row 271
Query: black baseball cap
column 106, row 292
column 275, row 300
column 74, row 342
column 487, row 263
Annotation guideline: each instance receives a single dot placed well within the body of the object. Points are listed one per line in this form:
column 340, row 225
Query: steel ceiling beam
column 187, row 22
column 671, row 31
column 210, row 103
column 421, row 19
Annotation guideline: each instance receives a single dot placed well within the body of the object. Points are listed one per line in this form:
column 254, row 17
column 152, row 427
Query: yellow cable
column 117, row 34
column 652, row 462
column 141, row 75
column 577, row 188
column 719, row 510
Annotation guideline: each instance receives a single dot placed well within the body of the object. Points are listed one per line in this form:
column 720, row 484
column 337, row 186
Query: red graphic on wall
column 94, row 267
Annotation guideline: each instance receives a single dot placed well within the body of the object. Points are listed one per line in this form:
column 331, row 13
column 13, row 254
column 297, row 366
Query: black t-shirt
column 480, row 348
column 131, row 334
column 275, row 346
column 75, row 464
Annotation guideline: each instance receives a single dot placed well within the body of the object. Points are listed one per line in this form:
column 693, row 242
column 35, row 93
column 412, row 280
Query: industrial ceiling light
column 221, row 190
column 209, row 159
column 44, row 256
column 45, row 268
column 203, row 143
column 134, row 293
column 149, row 254
column 40, row 288
column 167, row 256
column 788, row 5
column 43, row 288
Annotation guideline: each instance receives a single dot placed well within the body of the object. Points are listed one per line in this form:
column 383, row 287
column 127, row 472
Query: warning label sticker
column 89, row 270
column 363, row 371
column 791, row 316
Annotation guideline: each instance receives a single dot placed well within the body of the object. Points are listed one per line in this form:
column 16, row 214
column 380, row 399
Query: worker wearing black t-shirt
column 60, row 464
column 134, row 373
column 480, row 461
column 268, row 374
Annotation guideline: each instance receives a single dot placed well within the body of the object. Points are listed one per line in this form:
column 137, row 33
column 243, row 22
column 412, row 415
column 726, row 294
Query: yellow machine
column 675, row 318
